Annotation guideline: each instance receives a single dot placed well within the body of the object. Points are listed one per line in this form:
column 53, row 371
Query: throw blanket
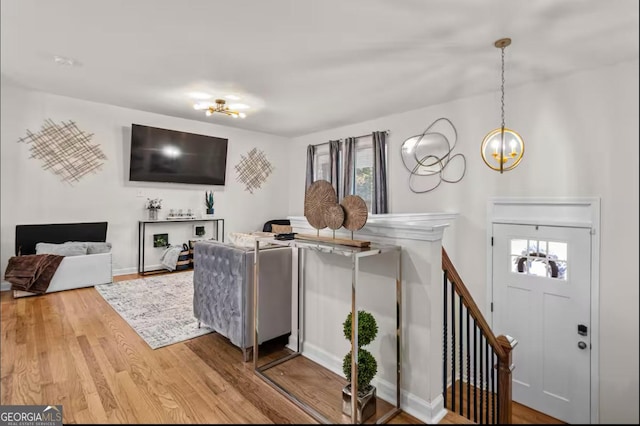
column 170, row 256
column 33, row 272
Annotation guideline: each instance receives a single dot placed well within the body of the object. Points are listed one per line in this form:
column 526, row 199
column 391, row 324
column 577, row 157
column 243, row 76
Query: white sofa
column 74, row 271
column 78, row 272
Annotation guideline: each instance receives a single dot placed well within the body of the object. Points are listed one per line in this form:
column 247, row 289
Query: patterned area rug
column 159, row 309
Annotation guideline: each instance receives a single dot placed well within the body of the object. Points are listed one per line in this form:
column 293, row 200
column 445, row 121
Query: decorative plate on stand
column 317, row 200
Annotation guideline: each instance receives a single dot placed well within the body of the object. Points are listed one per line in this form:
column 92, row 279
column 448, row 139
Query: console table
column 142, row 227
column 355, row 254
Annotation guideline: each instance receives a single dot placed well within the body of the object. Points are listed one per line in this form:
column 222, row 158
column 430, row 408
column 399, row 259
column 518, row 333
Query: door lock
column 582, row 329
column 582, row 345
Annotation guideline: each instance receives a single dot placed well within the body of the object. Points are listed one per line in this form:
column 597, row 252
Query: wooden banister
column 504, row 380
column 497, row 400
column 468, row 301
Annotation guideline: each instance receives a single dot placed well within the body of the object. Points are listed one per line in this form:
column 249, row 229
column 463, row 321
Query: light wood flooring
column 521, row 414
column 71, row 348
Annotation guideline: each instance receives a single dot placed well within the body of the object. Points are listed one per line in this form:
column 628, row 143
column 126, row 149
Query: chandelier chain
column 502, row 89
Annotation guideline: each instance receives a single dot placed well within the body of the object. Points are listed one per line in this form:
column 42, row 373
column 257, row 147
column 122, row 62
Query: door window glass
column 539, row 258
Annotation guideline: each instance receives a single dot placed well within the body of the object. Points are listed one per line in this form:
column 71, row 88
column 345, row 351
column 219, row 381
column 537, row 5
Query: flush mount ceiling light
column 502, row 148
column 221, row 107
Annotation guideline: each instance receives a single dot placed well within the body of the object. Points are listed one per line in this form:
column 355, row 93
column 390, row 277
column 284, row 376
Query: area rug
column 158, row 308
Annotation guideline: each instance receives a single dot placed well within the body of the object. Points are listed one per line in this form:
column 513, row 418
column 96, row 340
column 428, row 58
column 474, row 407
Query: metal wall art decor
column 65, row 150
column 429, row 159
column 253, row 169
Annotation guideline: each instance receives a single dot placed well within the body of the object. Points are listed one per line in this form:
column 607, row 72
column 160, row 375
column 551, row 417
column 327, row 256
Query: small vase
column 153, row 214
column 366, row 404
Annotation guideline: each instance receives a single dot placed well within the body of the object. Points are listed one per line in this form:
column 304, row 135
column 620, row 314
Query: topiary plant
column 367, row 364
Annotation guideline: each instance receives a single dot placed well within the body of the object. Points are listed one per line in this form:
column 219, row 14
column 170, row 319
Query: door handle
column 582, row 345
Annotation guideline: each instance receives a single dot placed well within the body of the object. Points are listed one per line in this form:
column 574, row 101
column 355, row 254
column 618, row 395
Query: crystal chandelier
column 221, row 107
column 502, row 148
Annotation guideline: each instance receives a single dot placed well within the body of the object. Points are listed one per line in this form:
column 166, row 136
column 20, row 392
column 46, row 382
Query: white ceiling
column 304, row 65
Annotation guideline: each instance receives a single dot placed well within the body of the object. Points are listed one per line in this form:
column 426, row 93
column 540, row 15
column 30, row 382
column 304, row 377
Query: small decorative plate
column 355, row 212
column 334, row 216
column 317, row 200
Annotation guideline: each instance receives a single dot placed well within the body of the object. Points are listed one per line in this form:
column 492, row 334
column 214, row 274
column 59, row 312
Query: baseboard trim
column 125, row 271
column 428, row 412
column 5, row 286
column 134, row 270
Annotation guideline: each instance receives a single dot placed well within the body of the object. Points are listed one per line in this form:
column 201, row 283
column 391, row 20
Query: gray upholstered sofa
column 223, row 291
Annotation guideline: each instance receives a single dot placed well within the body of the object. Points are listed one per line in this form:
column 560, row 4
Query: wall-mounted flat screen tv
column 161, row 155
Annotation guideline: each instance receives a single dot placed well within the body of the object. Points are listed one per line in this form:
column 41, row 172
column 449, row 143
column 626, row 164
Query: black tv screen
column 161, row 155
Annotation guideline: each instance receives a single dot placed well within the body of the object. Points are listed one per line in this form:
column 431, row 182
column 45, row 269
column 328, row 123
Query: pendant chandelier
column 502, row 148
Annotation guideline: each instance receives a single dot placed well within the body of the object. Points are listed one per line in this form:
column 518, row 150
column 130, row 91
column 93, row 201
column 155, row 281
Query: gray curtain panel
column 311, row 152
column 379, row 204
column 334, row 165
column 348, row 166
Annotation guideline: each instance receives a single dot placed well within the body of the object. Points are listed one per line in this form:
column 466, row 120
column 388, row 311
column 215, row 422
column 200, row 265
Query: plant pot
column 153, row 214
column 366, row 403
column 210, row 211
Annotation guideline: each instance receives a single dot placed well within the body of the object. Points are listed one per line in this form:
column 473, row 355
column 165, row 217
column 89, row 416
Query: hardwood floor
column 71, row 348
column 521, row 414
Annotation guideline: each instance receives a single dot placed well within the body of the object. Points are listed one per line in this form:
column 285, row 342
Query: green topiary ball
column 367, row 368
column 367, row 328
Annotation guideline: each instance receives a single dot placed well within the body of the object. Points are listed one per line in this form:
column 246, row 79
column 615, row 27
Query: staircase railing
column 483, row 389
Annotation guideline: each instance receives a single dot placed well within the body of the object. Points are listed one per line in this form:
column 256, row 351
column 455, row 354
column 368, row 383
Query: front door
column 542, row 297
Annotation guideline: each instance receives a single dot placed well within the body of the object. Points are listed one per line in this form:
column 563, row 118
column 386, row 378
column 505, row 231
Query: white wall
column 581, row 136
column 32, row 195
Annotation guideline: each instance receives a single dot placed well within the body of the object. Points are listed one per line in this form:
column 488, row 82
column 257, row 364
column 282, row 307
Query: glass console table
column 142, row 230
column 323, row 411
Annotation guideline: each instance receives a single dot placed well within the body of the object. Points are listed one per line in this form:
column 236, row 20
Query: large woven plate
column 334, row 216
column 317, row 200
column 355, row 212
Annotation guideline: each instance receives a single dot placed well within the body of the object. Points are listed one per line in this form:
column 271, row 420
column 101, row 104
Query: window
column 363, row 170
column 539, row 258
column 321, row 166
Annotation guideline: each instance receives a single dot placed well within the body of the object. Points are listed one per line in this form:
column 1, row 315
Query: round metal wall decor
column 355, row 212
column 429, row 157
column 334, row 216
column 317, row 200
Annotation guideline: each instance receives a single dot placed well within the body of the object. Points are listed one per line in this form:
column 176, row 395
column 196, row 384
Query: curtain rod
column 355, row 137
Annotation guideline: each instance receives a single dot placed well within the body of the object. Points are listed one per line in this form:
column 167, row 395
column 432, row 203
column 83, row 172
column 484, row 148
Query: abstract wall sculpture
column 65, row 150
column 428, row 157
column 253, row 169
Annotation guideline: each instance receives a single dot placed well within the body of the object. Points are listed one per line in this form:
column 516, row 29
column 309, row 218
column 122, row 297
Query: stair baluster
column 491, row 375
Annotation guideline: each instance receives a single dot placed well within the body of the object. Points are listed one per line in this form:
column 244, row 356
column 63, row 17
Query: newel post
column 505, row 367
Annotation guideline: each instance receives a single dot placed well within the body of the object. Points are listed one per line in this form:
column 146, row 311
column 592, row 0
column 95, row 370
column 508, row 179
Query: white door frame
column 568, row 212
